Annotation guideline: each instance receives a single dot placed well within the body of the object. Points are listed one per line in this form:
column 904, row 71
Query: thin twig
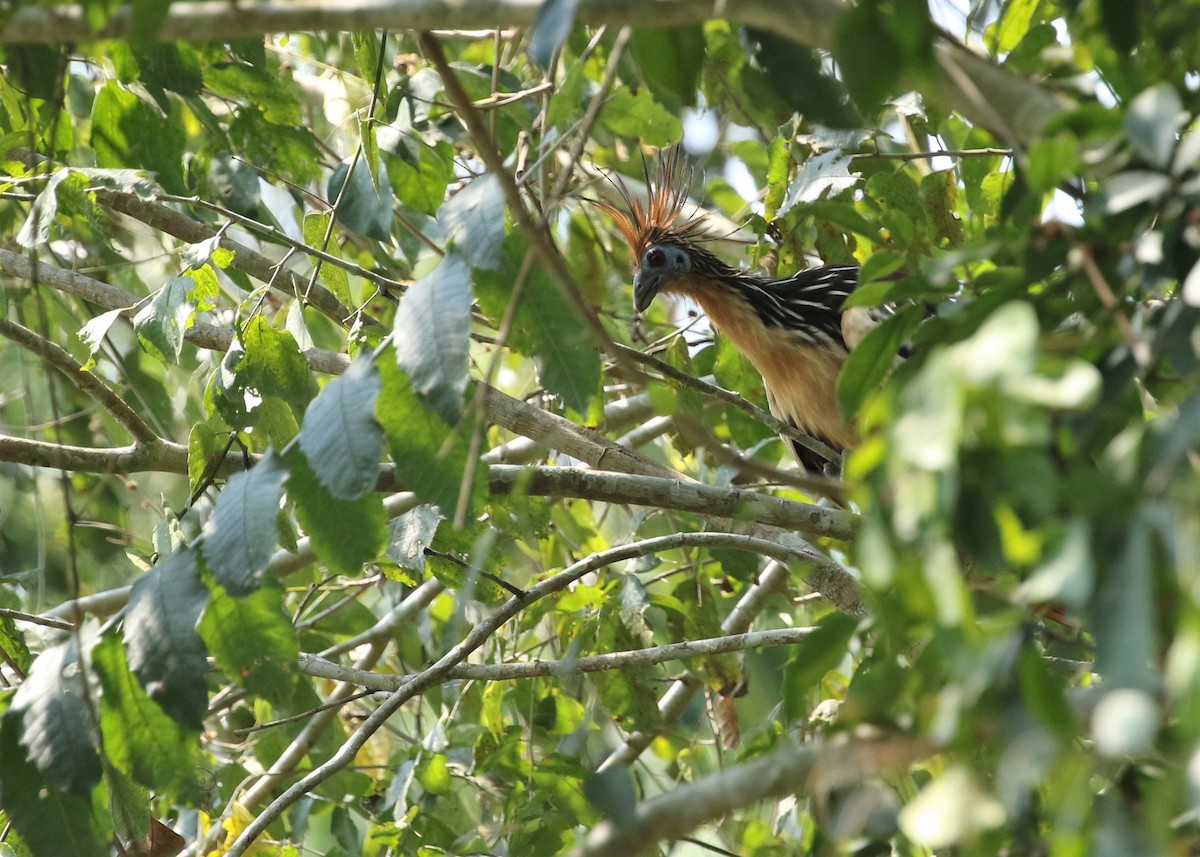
column 321, row 668
column 86, row 382
column 489, row 153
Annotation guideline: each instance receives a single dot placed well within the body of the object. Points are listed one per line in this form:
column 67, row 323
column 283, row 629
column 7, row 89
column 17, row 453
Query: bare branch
column 321, row 668
column 158, row 456
column 811, row 769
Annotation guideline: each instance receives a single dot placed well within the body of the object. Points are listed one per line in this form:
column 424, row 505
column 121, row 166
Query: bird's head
column 661, row 239
column 661, row 264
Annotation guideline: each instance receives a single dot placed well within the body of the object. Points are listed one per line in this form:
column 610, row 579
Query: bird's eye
column 656, row 258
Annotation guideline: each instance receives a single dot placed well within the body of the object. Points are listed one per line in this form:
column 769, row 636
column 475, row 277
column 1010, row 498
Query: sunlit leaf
column 138, row 735
column 117, row 116
column 252, row 640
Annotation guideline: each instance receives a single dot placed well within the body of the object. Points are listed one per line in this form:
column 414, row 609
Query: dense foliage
column 327, row 421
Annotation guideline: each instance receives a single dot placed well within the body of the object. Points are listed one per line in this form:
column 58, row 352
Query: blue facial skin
column 660, row 264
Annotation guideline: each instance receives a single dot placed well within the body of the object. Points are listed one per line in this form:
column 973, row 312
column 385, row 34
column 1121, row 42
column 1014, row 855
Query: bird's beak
column 645, row 287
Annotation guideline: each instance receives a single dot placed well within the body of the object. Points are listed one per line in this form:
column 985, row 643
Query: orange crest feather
column 660, row 219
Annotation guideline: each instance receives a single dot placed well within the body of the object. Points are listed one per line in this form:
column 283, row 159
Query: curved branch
column 321, row 668
column 812, row 769
column 86, row 382
column 436, row 674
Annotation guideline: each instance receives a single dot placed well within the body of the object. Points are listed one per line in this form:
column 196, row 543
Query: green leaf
column 1016, row 17
column 274, row 366
column 241, row 535
column 545, row 327
column 129, row 806
column 56, row 725
column 868, row 55
column 176, row 67
column 12, row 644
column 1123, row 613
column 826, row 173
column 432, row 335
column 345, row 533
column 869, row 363
column 121, row 136
column 410, row 534
column 430, row 456
column 474, row 222
column 341, row 437
column 139, row 737
column 796, row 76
column 50, row 821
column 254, row 86
column 36, row 230
column 165, row 652
column 365, row 205
column 420, row 173
column 1122, row 22
column 554, row 21
column 252, row 640
column 35, row 68
column 817, row 654
column 92, row 334
column 1043, row 694
column 611, row 791
column 1153, row 122
column 161, row 323
column 1132, row 188
column 671, row 60
column 263, row 364
column 566, row 103
column 315, row 225
column 641, row 117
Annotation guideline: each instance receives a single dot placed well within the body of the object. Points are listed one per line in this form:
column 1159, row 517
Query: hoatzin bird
column 793, row 330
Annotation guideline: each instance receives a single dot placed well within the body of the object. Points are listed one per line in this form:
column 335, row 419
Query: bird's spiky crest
column 661, row 218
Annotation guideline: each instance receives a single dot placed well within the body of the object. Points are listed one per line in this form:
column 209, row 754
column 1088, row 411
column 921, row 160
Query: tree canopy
column 349, row 508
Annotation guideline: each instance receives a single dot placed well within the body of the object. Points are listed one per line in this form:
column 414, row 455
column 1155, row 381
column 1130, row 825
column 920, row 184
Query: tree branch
column 436, row 674
column 58, row 357
column 812, row 770
column 709, row 500
column 1013, row 108
column 321, row 668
